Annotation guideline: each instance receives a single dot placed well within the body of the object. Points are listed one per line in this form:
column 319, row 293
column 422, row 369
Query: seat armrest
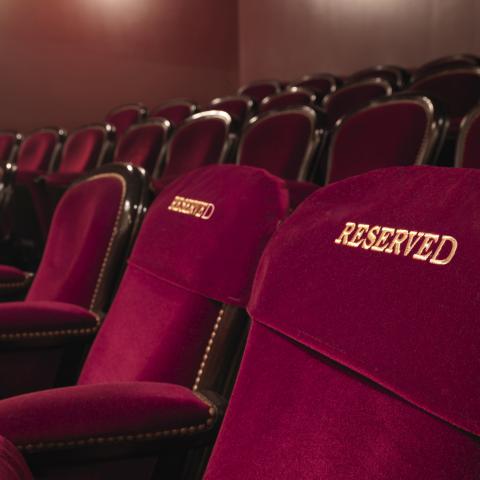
column 45, row 323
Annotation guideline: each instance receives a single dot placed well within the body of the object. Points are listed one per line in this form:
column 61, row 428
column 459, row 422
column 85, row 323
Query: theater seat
column 321, row 83
column 175, row 111
column 125, row 116
column 287, row 144
column 9, row 143
column 291, row 97
column 361, row 362
column 260, row 89
column 353, row 96
column 154, row 380
column 467, row 152
column 90, row 234
column 238, row 107
column 449, row 62
column 142, row 145
column 396, row 76
column 12, row 464
column 204, row 138
column 397, row 131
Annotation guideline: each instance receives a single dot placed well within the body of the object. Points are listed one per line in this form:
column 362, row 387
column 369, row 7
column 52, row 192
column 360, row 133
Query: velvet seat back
column 322, row 84
column 199, row 141
column 37, row 150
column 400, row 131
column 447, row 63
column 293, row 97
column 281, row 142
column 84, row 228
column 9, row 141
column 468, row 144
column 352, row 97
column 123, row 117
column 83, row 149
column 142, row 144
column 261, row 89
column 457, row 89
column 175, row 111
column 239, row 107
column 362, row 360
column 197, row 249
column 395, row 76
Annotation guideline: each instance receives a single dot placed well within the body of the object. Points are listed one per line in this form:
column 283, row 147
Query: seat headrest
column 380, row 274
column 206, row 231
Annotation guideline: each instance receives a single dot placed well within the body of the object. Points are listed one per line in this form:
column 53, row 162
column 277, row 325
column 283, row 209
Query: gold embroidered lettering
column 349, row 228
column 448, row 258
column 195, row 208
column 382, row 240
column 357, row 239
column 424, row 251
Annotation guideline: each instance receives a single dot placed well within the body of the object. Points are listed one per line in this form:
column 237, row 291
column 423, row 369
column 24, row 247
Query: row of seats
column 358, row 363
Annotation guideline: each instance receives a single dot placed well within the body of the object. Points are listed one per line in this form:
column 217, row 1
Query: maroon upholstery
column 282, row 142
column 201, row 140
column 37, row 151
column 322, row 83
column 125, row 116
column 198, row 246
column 9, row 274
column 102, row 412
column 293, row 97
column 395, row 76
column 239, row 107
column 468, row 145
column 458, row 89
column 261, row 89
column 365, row 369
column 12, row 464
column 399, row 131
column 351, row 97
column 142, row 144
column 9, row 142
column 175, row 111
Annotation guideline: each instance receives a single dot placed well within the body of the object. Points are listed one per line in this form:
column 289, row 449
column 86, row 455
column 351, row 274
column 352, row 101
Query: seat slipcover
column 362, row 361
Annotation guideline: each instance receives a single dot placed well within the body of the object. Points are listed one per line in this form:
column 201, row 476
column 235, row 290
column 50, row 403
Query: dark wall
column 285, row 38
column 66, row 62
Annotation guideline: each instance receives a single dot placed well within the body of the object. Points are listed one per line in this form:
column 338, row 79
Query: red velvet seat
column 12, row 464
column 162, row 343
column 447, row 63
column 458, row 89
column 291, row 97
column 125, row 116
column 9, row 143
column 468, row 144
column 175, row 111
column 203, row 139
column 90, row 233
column 361, row 362
column 351, row 97
column 142, row 145
column 239, row 107
column 258, row 90
column 397, row 77
column 397, row 131
column 321, row 83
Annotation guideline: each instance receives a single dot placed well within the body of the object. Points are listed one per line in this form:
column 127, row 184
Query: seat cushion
column 103, row 414
column 12, row 464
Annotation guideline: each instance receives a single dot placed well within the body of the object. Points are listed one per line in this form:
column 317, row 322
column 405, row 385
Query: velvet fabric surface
column 285, row 100
column 350, row 98
column 237, row 107
column 104, row 410
column 175, row 113
column 361, row 362
column 12, row 464
column 35, row 152
column 9, row 274
column 278, row 142
column 42, row 316
column 196, row 144
column 141, row 146
column 124, row 117
column 77, row 243
column 181, row 268
column 321, row 85
column 82, row 150
column 386, row 135
column 258, row 91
